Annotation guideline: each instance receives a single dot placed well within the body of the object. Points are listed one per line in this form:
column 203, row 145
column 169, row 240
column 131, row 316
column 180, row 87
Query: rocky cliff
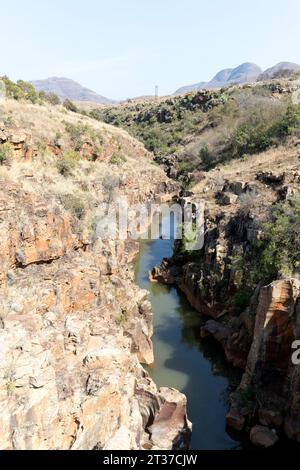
column 254, row 308
column 74, row 328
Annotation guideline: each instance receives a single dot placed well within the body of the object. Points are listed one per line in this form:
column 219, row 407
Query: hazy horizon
column 123, row 49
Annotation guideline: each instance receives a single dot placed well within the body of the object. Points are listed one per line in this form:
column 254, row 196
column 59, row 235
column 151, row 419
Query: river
column 183, row 360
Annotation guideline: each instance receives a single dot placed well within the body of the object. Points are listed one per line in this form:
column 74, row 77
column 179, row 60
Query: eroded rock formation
column 259, row 337
column 74, row 327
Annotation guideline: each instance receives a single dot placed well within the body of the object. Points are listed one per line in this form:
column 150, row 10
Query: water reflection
column 184, row 361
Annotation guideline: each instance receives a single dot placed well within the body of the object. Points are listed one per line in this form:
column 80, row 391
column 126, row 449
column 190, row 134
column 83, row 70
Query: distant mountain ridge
column 244, row 73
column 66, row 88
column 279, row 69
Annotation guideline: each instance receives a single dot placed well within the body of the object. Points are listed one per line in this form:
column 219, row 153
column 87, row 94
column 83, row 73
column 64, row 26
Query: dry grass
column 45, row 122
column 86, row 186
column 283, row 159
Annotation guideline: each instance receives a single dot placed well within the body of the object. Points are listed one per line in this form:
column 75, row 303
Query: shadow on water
column 182, row 360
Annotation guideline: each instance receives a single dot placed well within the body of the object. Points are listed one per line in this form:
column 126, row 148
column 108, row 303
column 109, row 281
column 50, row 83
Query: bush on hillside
column 70, row 106
column 6, row 152
column 29, row 91
column 278, row 253
column 68, row 163
column 50, row 98
column 74, row 203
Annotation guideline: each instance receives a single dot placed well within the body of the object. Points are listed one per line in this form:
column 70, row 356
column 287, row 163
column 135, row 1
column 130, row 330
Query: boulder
column 236, row 187
column 170, row 426
column 235, row 419
column 270, row 179
column 226, row 198
column 263, row 436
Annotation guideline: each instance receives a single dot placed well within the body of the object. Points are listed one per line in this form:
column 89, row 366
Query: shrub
column 249, row 139
column 70, row 106
column 117, row 158
column 74, row 203
column 29, row 91
column 6, row 152
column 206, row 157
column 25, row 91
column 289, row 123
column 12, row 89
column 77, row 132
column 52, row 98
column 122, row 318
column 68, row 163
column 241, row 300
column 282, row 240
column 277, row 253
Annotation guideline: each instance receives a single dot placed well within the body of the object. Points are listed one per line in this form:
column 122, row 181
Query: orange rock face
column 74, row 328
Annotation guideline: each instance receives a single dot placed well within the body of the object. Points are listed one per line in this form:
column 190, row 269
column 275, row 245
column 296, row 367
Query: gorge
column 78, row 368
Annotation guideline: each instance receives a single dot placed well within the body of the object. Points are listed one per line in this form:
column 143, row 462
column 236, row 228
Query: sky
column 123, row 48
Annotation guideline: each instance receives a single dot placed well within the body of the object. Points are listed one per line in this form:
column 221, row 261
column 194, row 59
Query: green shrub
column 282, row 242
column 117, row 158
column 74, row 203
column 29, row 91
column 206, row 157
column 277, row 253
column 12, row 89
column 25, row 91
column 122, row 318
column 241, row 300
column 289, row 123
column 52, row 98
column 6, row 152
column 68, row 163
column 249, row 139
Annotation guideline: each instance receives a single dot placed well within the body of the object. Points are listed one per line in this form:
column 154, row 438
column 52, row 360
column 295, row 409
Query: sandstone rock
column 220, row 332
column 270, row 418
column 235, row 419
column 269, row 178
column 273, row 333
column 263, row 436
column 226, row 198
column 17, row 138
column 236, row 187
column 285, row 192
column 170, row 428
column 70, row 377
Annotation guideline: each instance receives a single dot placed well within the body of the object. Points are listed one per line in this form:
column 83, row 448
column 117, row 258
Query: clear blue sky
column 122, row 48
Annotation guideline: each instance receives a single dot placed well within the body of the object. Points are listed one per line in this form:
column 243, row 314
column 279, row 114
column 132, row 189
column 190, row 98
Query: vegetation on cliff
column 206, row 128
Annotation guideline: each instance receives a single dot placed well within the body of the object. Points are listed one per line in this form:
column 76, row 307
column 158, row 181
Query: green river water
column 183, row 360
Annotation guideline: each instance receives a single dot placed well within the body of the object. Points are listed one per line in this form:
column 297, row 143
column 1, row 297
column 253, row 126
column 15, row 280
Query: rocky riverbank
column 254, row 316
column 74, row 327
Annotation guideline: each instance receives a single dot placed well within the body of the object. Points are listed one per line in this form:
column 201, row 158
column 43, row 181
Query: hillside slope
column 199, row 130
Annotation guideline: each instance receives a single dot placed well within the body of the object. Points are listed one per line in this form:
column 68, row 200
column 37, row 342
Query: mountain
column 280, row 70
column 67, row 88
column 244, row 73
column 188, row 88
column 221, row 78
